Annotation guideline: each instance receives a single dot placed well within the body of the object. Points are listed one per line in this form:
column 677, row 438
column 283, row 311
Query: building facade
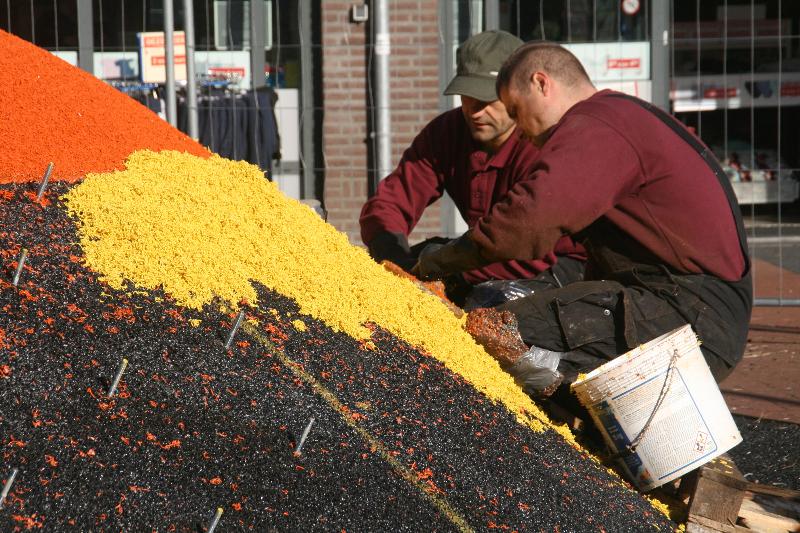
column 728, row 68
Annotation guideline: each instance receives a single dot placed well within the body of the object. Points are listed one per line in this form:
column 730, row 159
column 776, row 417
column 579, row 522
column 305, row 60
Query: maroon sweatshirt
column 610, row 159
column 445, row 157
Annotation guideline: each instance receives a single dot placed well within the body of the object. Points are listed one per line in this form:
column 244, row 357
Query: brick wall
column 414, row 99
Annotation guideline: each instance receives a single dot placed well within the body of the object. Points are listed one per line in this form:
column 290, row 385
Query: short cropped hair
column 545, row 56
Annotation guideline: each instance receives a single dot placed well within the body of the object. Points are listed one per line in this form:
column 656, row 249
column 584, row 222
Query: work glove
column 534, row 369
column 437, row 261
column 389, row 246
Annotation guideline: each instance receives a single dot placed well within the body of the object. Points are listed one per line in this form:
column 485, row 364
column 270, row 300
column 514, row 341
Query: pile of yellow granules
column 204, row 228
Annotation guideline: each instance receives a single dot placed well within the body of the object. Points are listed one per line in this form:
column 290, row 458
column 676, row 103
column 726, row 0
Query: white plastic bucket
column 691, row 425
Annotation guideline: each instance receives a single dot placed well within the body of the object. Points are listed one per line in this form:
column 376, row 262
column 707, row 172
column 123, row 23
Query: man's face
column 527, row 110
column 488, row 122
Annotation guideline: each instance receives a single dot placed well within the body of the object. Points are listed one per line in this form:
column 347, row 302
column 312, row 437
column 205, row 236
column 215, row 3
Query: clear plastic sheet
column 495, row 292
column 536, row 371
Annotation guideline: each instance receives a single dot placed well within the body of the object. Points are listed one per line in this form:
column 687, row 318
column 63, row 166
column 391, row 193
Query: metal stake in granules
column 7, row 486
column 215, row 521
column 303, row 437
column 235, row 327
column 45, row 178
column 120, row 370
column 23, row 255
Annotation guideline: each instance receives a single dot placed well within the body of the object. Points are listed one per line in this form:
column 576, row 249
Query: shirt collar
column 500, row 157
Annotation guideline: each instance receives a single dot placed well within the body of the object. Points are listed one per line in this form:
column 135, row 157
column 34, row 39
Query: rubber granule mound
column 397, row 440
column 53, row 112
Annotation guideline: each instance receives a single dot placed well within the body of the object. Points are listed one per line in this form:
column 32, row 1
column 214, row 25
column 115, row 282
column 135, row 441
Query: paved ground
column 765, row 384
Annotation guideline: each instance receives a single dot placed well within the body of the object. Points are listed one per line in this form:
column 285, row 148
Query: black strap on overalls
column 742, row 288
column 679, row 129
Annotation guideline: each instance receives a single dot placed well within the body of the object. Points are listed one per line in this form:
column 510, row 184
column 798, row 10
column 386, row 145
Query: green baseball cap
column 479, row 59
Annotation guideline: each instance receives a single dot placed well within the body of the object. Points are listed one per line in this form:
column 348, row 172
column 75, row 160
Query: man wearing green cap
column 476, row 154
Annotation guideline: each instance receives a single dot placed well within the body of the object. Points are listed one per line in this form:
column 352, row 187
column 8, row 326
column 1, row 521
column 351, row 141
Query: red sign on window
column 720, row 92
column 623, row 63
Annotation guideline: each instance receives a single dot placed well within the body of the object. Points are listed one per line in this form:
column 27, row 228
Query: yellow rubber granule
column 204, row 228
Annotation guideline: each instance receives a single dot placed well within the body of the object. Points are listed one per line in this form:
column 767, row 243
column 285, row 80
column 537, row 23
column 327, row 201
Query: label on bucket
column 689, row 427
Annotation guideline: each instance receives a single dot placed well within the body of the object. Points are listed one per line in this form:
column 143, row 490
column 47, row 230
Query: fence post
column 660, row 38
column 85, row 36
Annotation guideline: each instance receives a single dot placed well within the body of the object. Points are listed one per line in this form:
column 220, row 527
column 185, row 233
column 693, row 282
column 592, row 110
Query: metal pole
column 308, row 154
column 383, row 122
column 491, row 12
column 169, row 66
column 448, row 19
column 191, row 77
column 659, row 53
column 776, row 302
column 85, row 36
column 257, row 31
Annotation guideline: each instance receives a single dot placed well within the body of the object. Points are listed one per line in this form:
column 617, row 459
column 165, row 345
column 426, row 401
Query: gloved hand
column 392, row 247
column 534, row 369
column 438, row 260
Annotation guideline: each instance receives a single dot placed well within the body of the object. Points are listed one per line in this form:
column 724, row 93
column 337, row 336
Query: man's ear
column 540, row 82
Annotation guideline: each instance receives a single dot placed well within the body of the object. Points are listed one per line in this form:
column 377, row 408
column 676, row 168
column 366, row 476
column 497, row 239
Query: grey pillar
column 491, row 13
column 308, row 154
column 257, row 31
column 191, row 78
column 169, row 66
column 383, row 121
column 660, row 42
column 85, row 36
column 448, row 21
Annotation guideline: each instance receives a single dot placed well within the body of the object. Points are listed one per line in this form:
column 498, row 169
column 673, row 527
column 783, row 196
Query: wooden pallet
column 722, row 501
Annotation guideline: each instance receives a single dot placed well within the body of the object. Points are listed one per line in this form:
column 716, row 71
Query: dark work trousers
column 596, row 321
column 604, row 319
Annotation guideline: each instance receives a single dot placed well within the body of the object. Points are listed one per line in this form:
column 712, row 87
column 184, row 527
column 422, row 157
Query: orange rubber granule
column 52, row 111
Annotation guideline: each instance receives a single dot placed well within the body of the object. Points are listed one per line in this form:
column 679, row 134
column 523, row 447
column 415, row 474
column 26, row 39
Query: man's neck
column 495, row 144
column 576, row 97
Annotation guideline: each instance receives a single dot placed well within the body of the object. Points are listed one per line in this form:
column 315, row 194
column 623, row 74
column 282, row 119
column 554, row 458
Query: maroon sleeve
column 510, row 270
column 584, row 168
column 402, row 197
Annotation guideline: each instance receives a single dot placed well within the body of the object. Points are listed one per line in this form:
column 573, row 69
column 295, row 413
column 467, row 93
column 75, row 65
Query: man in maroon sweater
column 664, row 235
column 476, row 154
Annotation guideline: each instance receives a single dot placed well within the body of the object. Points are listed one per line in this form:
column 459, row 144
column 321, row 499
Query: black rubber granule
column 398, row 441
column 769, row 452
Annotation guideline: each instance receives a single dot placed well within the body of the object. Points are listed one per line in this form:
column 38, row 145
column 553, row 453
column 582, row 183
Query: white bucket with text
column 659, row 409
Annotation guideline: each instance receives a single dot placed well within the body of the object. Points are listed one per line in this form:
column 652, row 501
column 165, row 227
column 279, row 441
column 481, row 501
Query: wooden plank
column 717, row 497
column 736, row 482
column 699, row 524
column 776, row 505
column 779, row 492
column 760, row 517
column 722, row 501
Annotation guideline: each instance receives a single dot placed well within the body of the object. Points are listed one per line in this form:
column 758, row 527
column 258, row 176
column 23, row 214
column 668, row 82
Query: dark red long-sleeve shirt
column 445, row 157
column 610, row 158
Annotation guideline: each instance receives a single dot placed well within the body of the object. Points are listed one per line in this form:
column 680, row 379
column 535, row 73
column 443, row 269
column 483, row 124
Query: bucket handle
column 630, row 449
